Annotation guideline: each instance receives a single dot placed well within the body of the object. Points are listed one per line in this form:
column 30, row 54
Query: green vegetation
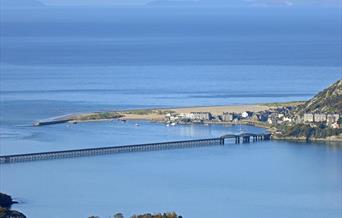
column 307, row 131
column 148, row 111
column 140, row 111
column 327, row 101
column 118, row 215
column 284, row 104
column 164, row 112
column 98, row 116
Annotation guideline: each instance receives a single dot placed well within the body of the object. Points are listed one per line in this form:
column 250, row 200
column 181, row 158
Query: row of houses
column 273, row 117
column 207, row 116
column 321, row 118
column 263, row 116
column 200, row 116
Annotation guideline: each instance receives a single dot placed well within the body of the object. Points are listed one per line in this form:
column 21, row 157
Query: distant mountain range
column 327, row 101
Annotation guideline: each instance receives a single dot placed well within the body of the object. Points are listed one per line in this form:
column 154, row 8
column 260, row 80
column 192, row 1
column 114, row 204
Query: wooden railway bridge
column 246, row 138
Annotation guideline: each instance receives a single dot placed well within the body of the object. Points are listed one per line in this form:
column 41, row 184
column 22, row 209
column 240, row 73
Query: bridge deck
column 128, row 148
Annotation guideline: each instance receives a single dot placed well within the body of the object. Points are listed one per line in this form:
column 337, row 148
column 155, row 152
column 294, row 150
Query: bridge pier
column 237, row 139
column 267, row 137
column 221, row 141
column 255, row 138
column 246, row 139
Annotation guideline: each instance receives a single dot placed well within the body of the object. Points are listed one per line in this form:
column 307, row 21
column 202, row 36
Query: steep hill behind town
column 327, row 101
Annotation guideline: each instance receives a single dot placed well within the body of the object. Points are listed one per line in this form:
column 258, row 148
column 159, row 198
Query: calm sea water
column 55, row 62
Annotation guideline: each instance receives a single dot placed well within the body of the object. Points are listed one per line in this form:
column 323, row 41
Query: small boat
column 137, row 124
column 173, row 124
column 167, row 124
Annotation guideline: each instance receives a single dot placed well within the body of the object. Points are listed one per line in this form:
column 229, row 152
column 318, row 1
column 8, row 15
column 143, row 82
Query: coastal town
column 275, row 116
column 319, row 118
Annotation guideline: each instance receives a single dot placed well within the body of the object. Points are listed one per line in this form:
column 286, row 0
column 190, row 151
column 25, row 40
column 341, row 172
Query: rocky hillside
column 7, row 213
column 327, row 101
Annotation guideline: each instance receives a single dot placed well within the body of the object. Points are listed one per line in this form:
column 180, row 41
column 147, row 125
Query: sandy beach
column 221, row 109
column 159, row 114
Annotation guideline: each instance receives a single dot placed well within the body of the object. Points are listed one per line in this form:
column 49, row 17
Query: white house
column 244, row 114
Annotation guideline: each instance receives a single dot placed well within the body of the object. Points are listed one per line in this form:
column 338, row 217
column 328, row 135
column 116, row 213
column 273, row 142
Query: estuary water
column 55, row 62
column 264, row 179
column 31, row 93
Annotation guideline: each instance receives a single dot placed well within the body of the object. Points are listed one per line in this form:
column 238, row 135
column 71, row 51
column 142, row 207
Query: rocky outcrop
column 6, row 201
column 7, row 213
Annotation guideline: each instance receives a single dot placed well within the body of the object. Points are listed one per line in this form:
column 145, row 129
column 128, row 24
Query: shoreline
column 158, row 115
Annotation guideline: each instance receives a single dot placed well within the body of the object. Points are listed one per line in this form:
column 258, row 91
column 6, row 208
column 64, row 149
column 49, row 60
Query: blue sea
column 56, row 61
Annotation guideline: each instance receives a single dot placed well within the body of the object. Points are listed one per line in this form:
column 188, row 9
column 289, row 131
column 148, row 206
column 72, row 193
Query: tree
column 118, row 215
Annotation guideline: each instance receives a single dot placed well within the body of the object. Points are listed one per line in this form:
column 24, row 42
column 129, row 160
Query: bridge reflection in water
column 245, row 137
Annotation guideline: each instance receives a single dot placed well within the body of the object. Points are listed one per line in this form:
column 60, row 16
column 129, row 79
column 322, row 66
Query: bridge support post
column 255, row 138
column 221, row 141
column 246, row 139
column 267, row 137
column 7, row 159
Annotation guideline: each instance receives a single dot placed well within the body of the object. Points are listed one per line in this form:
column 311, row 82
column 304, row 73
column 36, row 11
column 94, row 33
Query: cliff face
column 327, row 101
